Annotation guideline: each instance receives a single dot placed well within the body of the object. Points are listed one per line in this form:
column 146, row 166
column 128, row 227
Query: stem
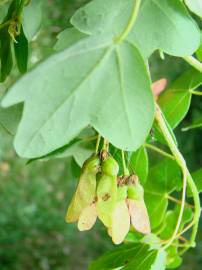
column 105, row 145
column 193, row 62
column 186, row 173
column 125, row 170
column 180, row 160
column 178, row 201
column 197, row 93
column 97, row 143
column 131, row 22
column 160, row 151
column 197, row 212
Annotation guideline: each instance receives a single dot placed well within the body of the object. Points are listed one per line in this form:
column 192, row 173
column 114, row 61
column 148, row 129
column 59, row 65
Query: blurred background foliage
column 34, row 197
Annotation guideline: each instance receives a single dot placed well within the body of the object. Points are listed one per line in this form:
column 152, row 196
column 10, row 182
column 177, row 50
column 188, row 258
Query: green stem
column 131, row 22
column 97, row 143
column 191, row 184
column 197, row 212
column 197, row 93
column 158, row 150
column 125, row 170
column 193, row 62
column 181, row 162
column 105, row 145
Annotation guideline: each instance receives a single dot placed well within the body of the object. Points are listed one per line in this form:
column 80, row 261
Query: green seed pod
column 135, row 192
column 86, row 189
column 110, row 167
column 122, row 193
column 107, row 191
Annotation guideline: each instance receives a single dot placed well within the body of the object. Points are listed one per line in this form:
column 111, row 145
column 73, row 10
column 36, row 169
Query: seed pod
column 107, row 191
column 122, row 193
column 139, row 216
column 85, row 192
column 87, row 218
column 120, row 222
column 135, row 192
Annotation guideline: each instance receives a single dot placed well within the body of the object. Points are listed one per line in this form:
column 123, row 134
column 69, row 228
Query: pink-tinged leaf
column 139, row 216
column 120, row 222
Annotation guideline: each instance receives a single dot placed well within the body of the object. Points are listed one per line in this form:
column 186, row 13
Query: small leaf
column 87, row 218
column 32, row 18
column 138, row 164
column 5, row 54
column 195, row 6
column 139, row 216
column 21, row 51
column 175, row 102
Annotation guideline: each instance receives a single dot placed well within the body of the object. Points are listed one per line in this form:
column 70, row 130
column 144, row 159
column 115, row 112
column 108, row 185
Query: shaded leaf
column 135, row 255
column 175, row 102
column 197, row 123
column 197, row 177
column 21, row 51
column 138, row 164
column 5, row 54
column 164, row 178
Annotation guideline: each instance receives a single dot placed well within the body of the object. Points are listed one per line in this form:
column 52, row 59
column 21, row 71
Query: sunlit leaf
column 175, row 32
column 79, row 75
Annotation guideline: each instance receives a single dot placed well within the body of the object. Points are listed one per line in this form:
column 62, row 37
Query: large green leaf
column 94, row 82
column 163, row 179
column 173, row 32
column 195, row 6
column 67, row 38
column 175, row 102
column 129, row 257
